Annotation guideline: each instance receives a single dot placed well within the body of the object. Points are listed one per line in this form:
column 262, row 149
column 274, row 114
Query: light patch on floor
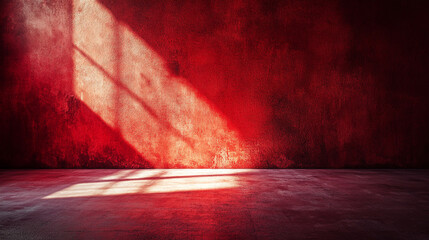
column 153, row 181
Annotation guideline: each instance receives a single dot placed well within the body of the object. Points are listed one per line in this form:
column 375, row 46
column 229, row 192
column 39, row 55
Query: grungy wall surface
column 214, row 84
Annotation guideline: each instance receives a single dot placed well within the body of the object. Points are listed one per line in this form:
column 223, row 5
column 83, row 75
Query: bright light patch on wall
column 126, row 83
column 153, row 181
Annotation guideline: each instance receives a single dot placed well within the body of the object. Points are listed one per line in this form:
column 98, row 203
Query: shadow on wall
column 325, row 83
column 213, row 84
column 128, row 85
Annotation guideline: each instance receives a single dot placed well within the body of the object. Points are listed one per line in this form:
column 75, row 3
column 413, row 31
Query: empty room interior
column 214, row 119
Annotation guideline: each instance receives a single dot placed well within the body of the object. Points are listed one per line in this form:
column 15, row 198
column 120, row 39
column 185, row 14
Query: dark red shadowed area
column 225, row 84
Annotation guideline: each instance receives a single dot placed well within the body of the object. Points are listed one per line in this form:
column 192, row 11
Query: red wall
column 325, row 84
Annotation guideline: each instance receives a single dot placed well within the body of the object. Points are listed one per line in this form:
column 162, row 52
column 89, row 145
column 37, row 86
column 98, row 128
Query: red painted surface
column 263, row 84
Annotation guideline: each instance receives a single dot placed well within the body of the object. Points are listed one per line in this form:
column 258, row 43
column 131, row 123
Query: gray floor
column 214, row 204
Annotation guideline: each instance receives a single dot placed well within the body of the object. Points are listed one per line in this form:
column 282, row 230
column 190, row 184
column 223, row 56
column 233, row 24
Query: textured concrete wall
column 214, row 84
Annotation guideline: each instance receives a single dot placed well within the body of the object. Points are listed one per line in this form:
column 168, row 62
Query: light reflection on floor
column 153, row 181
column 214, row 204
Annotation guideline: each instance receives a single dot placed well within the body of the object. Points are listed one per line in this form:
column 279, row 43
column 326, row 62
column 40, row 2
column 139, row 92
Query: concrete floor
column 214, row 204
